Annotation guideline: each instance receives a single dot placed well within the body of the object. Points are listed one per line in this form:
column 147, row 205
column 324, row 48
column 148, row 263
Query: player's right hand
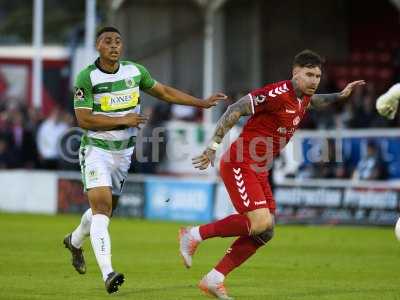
column 134, row 120
column 214, row 99
column 202, row 161
column 388, row 103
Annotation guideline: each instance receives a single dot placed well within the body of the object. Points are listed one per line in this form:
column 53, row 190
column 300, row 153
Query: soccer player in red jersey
column 276, row 111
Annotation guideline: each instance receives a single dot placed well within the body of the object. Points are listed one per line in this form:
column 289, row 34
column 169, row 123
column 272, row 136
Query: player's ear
column 295, row 71
column 98, row 44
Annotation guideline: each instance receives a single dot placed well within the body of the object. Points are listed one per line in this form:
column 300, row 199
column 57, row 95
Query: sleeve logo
column 79, row 94
column 259, row 99
column 278, row 91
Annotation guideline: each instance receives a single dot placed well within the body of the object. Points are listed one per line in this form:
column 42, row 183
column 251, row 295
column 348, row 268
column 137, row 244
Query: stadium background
column 201, row 47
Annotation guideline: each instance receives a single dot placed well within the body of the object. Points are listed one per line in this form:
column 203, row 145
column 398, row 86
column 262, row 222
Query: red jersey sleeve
column 265, row 99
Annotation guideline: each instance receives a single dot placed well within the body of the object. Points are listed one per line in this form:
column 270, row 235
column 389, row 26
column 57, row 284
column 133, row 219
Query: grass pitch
column 300, row 263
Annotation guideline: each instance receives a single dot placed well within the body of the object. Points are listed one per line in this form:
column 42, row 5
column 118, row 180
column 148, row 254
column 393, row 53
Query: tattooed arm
column 321, row 100
column 231, row 116
column 243, row 107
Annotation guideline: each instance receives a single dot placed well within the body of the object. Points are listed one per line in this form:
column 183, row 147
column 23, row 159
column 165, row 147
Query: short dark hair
column 107, row 29
column 308, row 59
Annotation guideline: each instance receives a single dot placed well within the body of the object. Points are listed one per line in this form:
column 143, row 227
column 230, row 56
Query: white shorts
column 104, row 168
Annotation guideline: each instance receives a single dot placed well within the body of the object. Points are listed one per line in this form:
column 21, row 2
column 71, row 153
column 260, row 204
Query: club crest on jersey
column 130, row 83
column 259, row 99
column 79, row 94
column 296, row 121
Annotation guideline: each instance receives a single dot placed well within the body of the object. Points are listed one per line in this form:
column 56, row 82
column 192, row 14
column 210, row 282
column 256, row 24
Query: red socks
column 238, row 253
column 233, row 225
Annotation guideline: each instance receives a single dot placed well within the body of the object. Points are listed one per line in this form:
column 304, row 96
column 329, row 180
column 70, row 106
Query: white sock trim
column 215, row 276
column 195, row 233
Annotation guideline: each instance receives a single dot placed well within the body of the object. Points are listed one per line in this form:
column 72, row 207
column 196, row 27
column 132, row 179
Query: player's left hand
column 349, row 88
column 213, row 100
column 202, row 161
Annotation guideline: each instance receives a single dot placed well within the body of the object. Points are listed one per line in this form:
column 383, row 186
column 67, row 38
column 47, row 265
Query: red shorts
column 247, row 189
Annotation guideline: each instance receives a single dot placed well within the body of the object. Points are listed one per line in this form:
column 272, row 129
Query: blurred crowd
column 30, row 140
column 370, row 166
column 358, row 112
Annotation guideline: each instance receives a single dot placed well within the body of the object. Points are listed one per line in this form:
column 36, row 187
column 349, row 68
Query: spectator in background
column 19, row 141
column 328, row 167
column 23, row 141
column 6, row 156
column 364, row 113
column 332, row 168
column 48, row 136
column 370, row 166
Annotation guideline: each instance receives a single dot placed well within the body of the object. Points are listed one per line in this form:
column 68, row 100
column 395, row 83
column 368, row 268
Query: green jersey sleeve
column 83, row 95
column 146, row 81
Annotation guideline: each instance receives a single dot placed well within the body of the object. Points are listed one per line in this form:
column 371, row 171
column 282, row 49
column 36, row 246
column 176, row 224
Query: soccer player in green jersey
column 107, row 107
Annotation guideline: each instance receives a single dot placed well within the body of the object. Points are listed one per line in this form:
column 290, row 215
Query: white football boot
column 187, row 246
column 213, row 288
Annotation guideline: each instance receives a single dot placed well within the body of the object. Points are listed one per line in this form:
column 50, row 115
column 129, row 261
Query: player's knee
column 102, row 208
column 261, row 225
column 86, row 221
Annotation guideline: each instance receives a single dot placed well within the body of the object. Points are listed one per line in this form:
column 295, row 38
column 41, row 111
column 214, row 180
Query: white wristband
column 213, row 146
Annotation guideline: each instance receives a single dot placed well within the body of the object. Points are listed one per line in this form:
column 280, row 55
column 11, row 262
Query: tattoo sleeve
column 321, row 100
column 231, row 116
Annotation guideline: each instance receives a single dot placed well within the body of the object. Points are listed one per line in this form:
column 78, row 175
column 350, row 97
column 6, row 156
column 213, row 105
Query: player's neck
column 298, row 92
column 107, row 66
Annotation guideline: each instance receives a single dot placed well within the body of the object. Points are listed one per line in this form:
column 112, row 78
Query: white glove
column 388, row 103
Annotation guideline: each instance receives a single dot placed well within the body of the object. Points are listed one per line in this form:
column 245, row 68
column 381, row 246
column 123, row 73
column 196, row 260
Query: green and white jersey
column 112, row 94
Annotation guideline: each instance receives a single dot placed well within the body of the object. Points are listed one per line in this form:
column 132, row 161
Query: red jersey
column 277, row 113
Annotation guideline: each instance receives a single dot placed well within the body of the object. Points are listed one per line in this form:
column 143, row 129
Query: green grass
column 300, row 263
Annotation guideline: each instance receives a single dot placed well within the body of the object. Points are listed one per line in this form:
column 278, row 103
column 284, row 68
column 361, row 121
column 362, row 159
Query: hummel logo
column 278, row 91
column 238, row 177
column 240, row 186
column 289, row 111
column 260, row 202
column 237, row 171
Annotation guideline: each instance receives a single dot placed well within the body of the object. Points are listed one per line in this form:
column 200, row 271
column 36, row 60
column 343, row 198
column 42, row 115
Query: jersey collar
column 97, row 64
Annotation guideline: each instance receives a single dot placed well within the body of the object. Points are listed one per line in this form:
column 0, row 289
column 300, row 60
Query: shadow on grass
column 132, row 291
